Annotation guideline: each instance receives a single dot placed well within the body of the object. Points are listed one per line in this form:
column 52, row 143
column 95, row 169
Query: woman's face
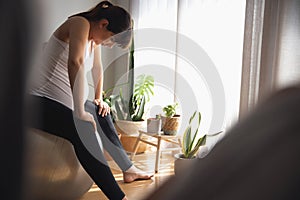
column 109, row 42
column 103, row 36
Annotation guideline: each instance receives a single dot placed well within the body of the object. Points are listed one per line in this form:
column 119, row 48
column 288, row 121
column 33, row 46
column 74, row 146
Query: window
column 214, row 29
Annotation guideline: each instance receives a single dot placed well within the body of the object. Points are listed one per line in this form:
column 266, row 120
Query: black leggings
column 57, row 119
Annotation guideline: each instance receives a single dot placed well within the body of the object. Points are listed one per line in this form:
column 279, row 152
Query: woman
column 60, row 91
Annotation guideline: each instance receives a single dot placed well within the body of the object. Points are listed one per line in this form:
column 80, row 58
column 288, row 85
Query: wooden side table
column 144, row 137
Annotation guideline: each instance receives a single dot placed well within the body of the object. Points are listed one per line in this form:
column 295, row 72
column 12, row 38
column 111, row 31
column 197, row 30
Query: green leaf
column 170, row 110
column 107, row 101
column 134, row 108
column 186, row 140
column 143, row 87
column 200, row 142
column 192, row 117
column 196, row 131
column 140, row 111
column 189, row 148
column 120, row 114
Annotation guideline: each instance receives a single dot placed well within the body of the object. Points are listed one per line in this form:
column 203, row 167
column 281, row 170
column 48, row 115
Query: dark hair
column 119, row 20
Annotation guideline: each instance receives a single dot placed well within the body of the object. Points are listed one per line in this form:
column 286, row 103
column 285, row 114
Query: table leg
column 158, row 152
column 179, row 142
column 136, row 146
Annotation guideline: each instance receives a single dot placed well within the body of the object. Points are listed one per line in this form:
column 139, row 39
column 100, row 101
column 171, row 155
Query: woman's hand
column 86, row 116
column 104, row 108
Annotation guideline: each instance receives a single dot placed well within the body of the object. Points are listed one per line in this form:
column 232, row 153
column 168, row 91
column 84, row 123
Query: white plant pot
column 153, row 125
column 183, row 165
column 130, row 127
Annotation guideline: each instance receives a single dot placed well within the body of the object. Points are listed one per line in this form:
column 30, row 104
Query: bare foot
column 133, row 174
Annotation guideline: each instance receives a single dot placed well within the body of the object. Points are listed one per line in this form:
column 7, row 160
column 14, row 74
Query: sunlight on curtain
column 217, row 27
column 276, row 61
column 288, row 44
column 155, row 14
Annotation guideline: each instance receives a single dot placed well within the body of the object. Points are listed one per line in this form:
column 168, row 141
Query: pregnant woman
column 59, row 92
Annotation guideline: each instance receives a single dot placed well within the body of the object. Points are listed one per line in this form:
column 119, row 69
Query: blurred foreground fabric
column 259, row 158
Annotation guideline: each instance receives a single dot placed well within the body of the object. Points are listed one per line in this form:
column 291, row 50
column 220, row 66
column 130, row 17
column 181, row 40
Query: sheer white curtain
column 208, row 31
column 151, row 17
column 216, row 26
column 276, row 58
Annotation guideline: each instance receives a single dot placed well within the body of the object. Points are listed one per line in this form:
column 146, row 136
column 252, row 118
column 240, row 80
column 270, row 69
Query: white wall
column 51, row 13
column 54, row 12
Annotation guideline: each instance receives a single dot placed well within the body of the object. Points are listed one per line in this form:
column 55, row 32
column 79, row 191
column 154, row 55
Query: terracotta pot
column 130, row 131
column 128, row 142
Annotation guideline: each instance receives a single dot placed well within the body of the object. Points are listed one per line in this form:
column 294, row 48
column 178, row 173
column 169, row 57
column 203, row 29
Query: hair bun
column 105, row 4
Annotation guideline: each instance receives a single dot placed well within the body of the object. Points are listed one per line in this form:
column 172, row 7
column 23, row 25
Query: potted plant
column 128, row 114
column 132, row 110
column 171, row 120
column 107, row 95
column 154, row 124
column 190, row 145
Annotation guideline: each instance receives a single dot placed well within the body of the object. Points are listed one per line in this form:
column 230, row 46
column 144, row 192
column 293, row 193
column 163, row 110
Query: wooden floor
column 138, row 189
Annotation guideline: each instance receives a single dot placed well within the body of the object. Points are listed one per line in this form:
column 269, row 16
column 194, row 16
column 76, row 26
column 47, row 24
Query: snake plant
column 190, row 143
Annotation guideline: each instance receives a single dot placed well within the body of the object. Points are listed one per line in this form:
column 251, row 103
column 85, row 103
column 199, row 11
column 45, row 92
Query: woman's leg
column 57, row 119
column 112, row 144
column 109, row 137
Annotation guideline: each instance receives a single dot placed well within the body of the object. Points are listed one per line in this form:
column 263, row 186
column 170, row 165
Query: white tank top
column 51, row 77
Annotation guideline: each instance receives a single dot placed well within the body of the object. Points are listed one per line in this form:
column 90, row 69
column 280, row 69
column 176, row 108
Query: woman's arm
column 78, row 37
column 97, row 74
